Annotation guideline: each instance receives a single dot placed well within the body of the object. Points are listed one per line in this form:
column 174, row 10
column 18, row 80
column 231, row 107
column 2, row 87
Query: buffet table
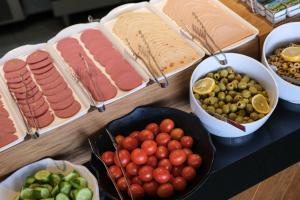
column 237, row 166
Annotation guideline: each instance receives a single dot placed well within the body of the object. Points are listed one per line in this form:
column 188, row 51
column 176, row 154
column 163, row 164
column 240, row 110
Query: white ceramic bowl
column 280, row 36
column 11, row 187
column 244, row 65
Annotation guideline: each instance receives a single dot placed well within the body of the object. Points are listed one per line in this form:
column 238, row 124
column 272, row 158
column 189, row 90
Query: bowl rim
column 245, row 57
column 264, row 55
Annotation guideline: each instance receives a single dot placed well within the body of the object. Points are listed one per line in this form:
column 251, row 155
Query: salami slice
column 69, row 111
column 37, row 56
column 28, row 95
column 31, row 100
column 16, row 74
column 38, row 112
column 53, row 84
column 7, row 139
column 61, row 96
column 51, row 72
column 49, row 79
column 62, row 104
column 41, row 64
column 25, row 77
column 26, row 87
column 42, row 121
column 128, row 81
column 3, row 112
column 33, row 106
column 43, row 70
column 56, row 90
column 21, row 84
column 13, row 65
column 66, row 43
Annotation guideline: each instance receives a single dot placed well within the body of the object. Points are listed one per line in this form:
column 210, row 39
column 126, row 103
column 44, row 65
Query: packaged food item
column 276, row 12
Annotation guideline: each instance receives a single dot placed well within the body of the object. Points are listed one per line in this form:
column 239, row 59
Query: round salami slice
column 66, row 43
column 3, row 112
column 21, row 84
column 43, row 70
column 7, row 139
column 28, row 95
column 69, row 111
column 56, row 90
column 16, row 74
column 13, row 65
column 18, row 80
column 61, row 96
column 38, row 112
column 41, row 64
column 32, row 107
column 105, row 57
column 51, row 72
column 53, row 84
column 37, row 56
column 26, row 87
column 62, row 104
column 128, row 81
column 42, row 121
column 32, row 99
column 49, row 79
column 5, row 121
column 8, row 129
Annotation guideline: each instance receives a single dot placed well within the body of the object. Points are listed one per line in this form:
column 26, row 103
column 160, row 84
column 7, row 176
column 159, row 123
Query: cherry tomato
column 132, row 169
column 119, row 139
column 179, row 184
column 145, row 135
column 124, row 156
column 145, row 173
column 115, row 171
column 165, row 163
column 161, row 175
column 137, row 191
column 108, row 157
column 176, row 171
column 187, row 152
column 162, row 152
column 194, row 160
column 177, row 134
column 177, row 157
column 122, row 185
column 166, row 125
column 163, row 139
column 139, row 156
column 135, row 134
column 187, row 142
column 152, row 161
column 149, row 146
column 130, row 143
column 150, row 188
column 153, row 127
column 136, row 180
column 165, row 190
column 173, row 145
column 188, row 173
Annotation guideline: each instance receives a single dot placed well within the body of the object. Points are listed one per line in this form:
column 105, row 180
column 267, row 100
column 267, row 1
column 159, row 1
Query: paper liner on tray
column 21, row 53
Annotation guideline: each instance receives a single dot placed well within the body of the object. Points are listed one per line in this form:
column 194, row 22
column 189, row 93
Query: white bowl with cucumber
column 50, row 180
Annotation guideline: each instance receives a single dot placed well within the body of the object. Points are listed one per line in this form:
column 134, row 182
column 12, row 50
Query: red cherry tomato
column 162, row 152
column 188, row 173
column 166, row 125
column 187, row 152
column 163, row 139
column 150, row 188
column 161, row 175
column 165, row 190
column 176, row 171
column 136, row 180
column 179, row 184
column 145, row 135
column 135, row 134
column 194, row 160
column 119, row 139
column 139, row 156
column 187, row 142
column 137, row 191
column 173, row 145
column 149, row 146
column 124, row 156
column 177, row 157
column 122, row 185
column 152, row 161
column 132, row 169
column 153, row 127
column 130, row 143
column 165, row 163
column 145, row 173
column 177, row 134
column 115, row 171
column 108, row 157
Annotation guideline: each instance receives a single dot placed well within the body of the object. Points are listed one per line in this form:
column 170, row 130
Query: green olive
column 237, row 98
column 210, row 75
column 238, row 77
column 241, row 104
column 230, row 86
column 212, row 94
column 217, row 89
column 206, row 101
column 246, row 78
column 222, row 86
column 232, row 93
column 233, row 108
column 221, row 103
column 213, row 100
column 216, row 105
column 228, row 98
column 224, row 81
column 258, row 87
column 204, row 106
column 246, row 93
column 230, row 77
column 252, row 82
column 253, row 90
column 242, row 85
column 239, row 119
column 211, row 109
column 254, row 116
column 226, row 109
column 232, row 116
column 219, row 111
column 241, row 113
column 230, row 70
column 249, row 108
column 224, row 73
column 260, row 115
column 217, row 76
column 221, row 96
column 246, row 101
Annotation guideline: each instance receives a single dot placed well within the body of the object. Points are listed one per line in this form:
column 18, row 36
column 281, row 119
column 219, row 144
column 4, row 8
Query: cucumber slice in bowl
column 62, row 196
column 84, row 194
column 43, row 176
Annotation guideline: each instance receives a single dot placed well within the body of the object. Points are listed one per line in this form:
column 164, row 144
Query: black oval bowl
column 137, row 120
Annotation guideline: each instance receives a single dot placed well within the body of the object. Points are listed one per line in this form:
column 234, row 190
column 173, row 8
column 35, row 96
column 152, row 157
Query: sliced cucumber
column 26, row 193
column 29, row 180
column 55, row 191
column 65, row 187
column 55, row 179
column 62, row 196
column 43, row 176
column 73, row 194
column 34, row 185
column 71, row 176
column 40, row 193
column 84, row 194
column 49, row 187
column 79, row 183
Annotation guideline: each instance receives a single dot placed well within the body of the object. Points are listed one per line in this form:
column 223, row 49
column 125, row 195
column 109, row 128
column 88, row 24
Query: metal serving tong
column 199, row 32
column 92, row 144
column 288, row 79
column 146, row 56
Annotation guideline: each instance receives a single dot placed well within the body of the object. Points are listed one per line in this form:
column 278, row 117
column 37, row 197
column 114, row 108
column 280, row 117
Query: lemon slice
column 291, row 54
column 204, row 86
column 260, row 104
